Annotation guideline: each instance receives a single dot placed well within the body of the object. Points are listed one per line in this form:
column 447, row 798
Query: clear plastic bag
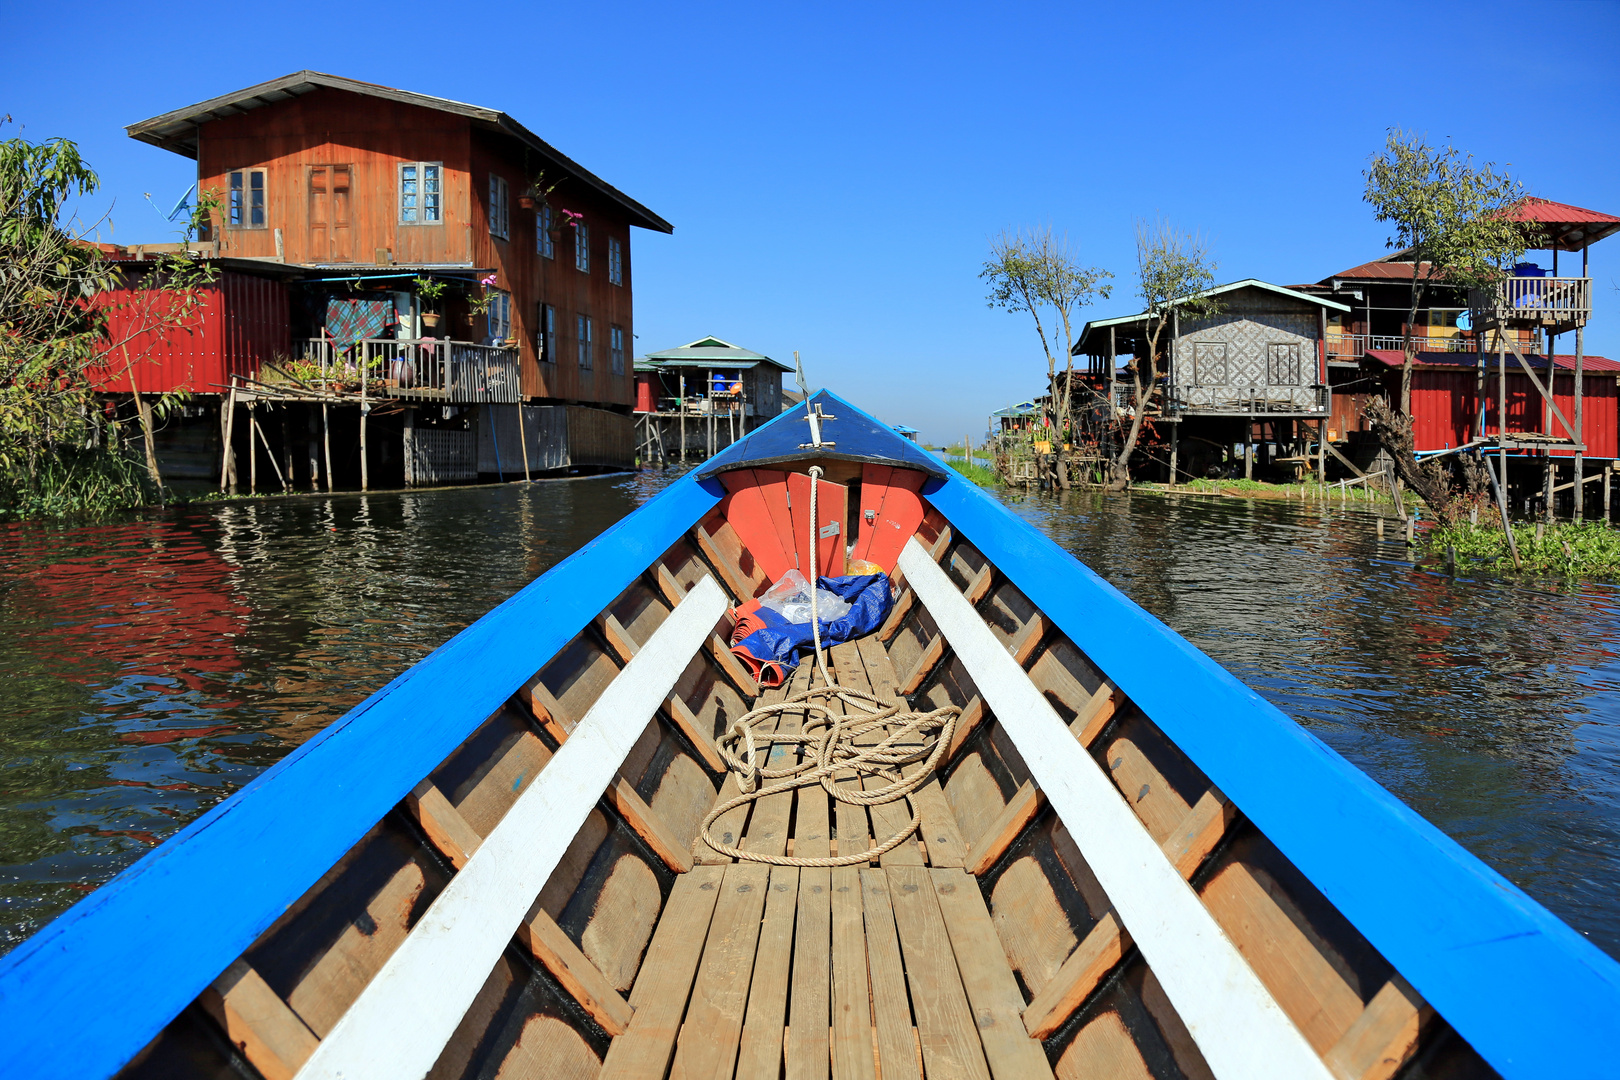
column 790, row 598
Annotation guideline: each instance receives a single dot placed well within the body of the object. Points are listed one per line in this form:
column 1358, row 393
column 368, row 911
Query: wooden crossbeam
column 621, row 795
column 258, row 1023
column 1020, row 810
column 574, row 971
column 625, row 646
column 931, row 655
column 402, row 1020
column 1238, row 1026
column 717, row 647
column 1105, row 946
column 1385, row 1035
column 446, row 829
column 1025, row 642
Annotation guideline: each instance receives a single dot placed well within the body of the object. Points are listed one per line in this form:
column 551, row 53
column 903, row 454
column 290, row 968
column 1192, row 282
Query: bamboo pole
column 227, row 461
column 271, row 454
column 253, row 448
column 1501, row 507
column 523, row 440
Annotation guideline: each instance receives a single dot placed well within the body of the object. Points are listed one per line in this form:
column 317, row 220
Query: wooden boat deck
column 890, row 970
column 986, row 947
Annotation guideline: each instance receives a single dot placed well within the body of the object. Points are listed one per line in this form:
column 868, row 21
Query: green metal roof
column 1023, row 408
column 711, row 352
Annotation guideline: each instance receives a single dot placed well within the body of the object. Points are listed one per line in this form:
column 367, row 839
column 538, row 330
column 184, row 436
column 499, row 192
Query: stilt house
column 422, row 265
column 1254, row 372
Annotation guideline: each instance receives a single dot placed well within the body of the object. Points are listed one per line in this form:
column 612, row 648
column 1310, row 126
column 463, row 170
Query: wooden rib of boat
column 1128, row 864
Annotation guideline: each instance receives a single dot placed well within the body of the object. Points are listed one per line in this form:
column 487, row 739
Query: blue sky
column 834, row 173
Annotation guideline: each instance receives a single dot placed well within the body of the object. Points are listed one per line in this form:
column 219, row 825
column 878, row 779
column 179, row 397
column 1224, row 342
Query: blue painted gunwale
column 1530, row 994
column 90, row 990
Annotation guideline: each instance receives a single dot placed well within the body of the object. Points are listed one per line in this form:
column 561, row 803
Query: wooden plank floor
column 852, row 972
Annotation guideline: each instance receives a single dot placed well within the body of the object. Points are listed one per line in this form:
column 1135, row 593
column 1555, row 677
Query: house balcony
column 424, row 369
column 1555, row 304
column 1351, row 347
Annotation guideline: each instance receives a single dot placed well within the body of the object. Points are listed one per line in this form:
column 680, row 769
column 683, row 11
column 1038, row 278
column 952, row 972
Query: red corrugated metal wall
column 1445, row 403
column 239, row 324
column 646, row 396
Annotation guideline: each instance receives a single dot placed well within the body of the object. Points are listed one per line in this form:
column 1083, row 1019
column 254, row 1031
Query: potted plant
column 430, row 291
column 535, row 194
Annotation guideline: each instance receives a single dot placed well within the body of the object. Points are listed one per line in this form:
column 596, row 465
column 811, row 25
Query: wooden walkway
column 893, row 970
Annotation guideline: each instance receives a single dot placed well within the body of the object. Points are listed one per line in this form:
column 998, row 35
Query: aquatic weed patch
column 1563, row 549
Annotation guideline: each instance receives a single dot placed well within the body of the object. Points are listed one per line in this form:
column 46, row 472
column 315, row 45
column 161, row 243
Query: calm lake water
column 154, row 665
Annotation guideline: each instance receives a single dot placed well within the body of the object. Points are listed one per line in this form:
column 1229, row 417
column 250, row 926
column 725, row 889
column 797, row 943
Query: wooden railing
column 426, row 369
column 1353, row 346
column 1554, row 300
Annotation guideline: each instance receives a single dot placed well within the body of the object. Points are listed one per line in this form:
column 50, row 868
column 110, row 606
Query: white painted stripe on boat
column 402, row 1020
column 1241, row 1030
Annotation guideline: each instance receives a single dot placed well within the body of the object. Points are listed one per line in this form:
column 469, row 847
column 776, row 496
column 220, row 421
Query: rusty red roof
column 1564, row 226
column 1377, row 269
column 1565, row 361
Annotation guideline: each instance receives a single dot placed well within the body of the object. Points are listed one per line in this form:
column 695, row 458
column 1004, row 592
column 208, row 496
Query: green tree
column 60, row 450
column 1452, row 218
column 1449, row 215
column 1174, row 273
column 1037, row 271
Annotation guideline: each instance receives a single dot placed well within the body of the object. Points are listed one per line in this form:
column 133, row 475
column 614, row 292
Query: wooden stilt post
column 408, row 444
column 227, row 461
column 1175, row 446
column 683, row 415
column 286, row 448
column 253, row 448
column 1549, row 476
column 523, row 440
column 365, row 412
column 1580, row 430
column 314, row 449
column 1608, row 481
column 326, row 443
column 1248, row 450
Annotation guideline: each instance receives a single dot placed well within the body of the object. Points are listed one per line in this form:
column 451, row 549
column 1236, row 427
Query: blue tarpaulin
column 770, row 645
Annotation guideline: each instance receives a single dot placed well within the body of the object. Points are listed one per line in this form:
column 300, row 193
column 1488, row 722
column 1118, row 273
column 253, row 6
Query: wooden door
column 329, row 187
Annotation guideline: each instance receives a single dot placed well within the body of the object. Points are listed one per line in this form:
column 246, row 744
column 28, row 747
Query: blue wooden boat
column 529, row 855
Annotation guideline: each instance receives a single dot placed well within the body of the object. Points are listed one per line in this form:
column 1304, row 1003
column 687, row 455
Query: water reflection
column 1488, row 707
column 154, row 665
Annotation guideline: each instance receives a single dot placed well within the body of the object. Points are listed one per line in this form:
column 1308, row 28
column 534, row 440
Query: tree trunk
column 148, row 440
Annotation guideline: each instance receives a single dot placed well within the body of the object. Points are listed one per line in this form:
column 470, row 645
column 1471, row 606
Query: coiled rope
column 830, row 738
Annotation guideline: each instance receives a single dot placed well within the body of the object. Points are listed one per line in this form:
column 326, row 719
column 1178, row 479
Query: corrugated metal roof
column 1377, row 270
column 711, row 352
column 1564, row 361
column 1566, row 227
column 177, row 130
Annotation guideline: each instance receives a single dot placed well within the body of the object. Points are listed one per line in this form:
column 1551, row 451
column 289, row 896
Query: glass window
column 421, row 193
column 544, row 244
column 245, row 208
column 582, row 336
column 497, row 207
column 500, row 315
column 616, row 349
column 615, row 261
column 546, row 340
column 582, row 247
